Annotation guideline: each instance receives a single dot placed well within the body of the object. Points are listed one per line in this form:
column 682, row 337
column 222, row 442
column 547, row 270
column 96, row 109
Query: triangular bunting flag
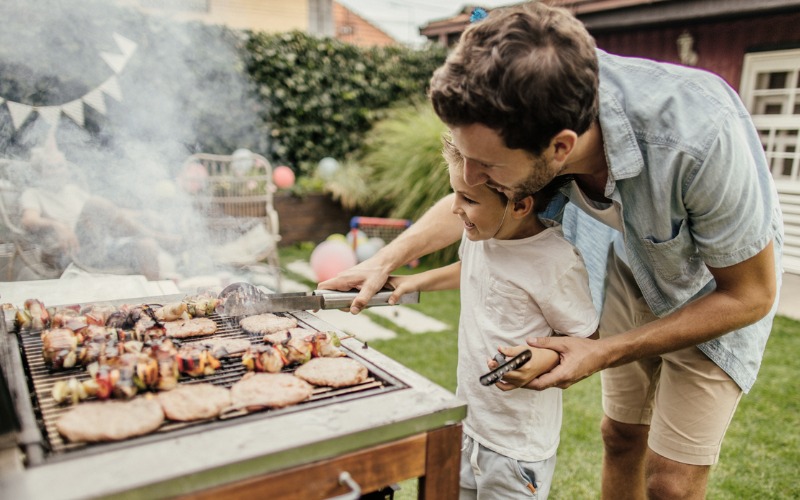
column 19, row 112
column 74, row 110
column 111, row 88
column 116, row 61
column 49, row 114
column 96, row 101
column 126, row 46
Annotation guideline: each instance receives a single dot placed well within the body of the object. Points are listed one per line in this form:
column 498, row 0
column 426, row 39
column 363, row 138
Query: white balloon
column 360, row 238
column 377, row 241
column 366, row 250
column 241, row 161
column 327, row 167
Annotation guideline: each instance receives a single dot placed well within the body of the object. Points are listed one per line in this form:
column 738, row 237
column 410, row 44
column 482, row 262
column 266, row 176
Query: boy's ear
column 522, row 208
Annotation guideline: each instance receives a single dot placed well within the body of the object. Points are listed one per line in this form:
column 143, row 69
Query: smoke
column 181, row 90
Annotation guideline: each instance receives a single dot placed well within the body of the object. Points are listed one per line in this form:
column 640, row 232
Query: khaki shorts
column 685, row 398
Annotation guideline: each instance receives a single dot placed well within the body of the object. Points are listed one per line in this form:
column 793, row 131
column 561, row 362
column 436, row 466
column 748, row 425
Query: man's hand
column 578, row 359
column 368, row 277
column 67, row 240
column 542, row 360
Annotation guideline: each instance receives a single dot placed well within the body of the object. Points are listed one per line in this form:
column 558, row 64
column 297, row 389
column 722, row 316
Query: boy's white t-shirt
column 511, row 290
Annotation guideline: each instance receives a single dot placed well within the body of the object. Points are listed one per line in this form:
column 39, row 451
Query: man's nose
column 474, row 173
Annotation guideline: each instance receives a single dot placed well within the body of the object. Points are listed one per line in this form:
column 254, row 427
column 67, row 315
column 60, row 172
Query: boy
column 511, row 436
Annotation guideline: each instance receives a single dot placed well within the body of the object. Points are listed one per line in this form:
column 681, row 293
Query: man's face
column 488, row 161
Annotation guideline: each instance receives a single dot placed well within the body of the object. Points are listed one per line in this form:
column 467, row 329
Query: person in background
column 672, row 207
column 90, row 229
column 518, row 278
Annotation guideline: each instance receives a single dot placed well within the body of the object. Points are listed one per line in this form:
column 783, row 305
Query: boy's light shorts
column 487, row 475
column 687, row 400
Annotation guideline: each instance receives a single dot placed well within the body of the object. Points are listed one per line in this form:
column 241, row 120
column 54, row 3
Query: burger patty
column 111, row 420
column 262, row 324
column 186, row 328
column 256, row 391
column 333, row 372
column 194, row 402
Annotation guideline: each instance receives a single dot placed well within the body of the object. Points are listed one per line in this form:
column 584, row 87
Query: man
column 668, row 167
column 84, row 227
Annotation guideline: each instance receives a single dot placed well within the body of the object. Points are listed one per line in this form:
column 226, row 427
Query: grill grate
column 48, row 411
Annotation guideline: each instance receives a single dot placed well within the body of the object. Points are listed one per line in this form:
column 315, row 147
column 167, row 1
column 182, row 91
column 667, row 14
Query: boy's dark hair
column 527, row 71
column 540, row 199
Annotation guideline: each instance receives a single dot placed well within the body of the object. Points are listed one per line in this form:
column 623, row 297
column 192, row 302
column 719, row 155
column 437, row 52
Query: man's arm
column 744, row 294
column 435, row 230
column 33, row 221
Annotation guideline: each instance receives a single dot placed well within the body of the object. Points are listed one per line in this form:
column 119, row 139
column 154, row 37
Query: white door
column 771, row 91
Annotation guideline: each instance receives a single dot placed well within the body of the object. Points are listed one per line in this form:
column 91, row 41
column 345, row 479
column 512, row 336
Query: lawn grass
column 761, row 452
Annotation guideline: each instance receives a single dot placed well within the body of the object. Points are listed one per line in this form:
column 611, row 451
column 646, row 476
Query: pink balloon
column 330, row 258
column 193, row 177
column 283, row 177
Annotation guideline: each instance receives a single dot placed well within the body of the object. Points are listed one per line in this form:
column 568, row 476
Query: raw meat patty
column 269, row 390
column 333, row 372
column 186, row 328
column 194, row 402
column 111, row 420
column 261, row 324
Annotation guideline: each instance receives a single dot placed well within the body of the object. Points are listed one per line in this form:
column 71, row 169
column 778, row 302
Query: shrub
column 324, row 95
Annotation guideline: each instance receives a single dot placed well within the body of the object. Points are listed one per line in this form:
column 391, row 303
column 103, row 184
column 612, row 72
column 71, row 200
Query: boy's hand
column 401, row 285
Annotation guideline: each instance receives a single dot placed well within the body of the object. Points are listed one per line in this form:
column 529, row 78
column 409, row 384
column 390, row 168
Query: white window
column 771, row 91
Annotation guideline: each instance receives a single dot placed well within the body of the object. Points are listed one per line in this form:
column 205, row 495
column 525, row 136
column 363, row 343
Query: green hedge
column 325, row 95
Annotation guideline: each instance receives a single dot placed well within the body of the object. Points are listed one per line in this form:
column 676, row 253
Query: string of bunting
column 94, row 98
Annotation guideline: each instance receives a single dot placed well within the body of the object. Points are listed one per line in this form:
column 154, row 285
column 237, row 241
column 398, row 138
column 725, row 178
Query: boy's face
column 480, row 208
column 488, row 161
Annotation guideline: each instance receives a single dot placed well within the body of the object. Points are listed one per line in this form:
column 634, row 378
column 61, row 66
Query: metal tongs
column 245, row 299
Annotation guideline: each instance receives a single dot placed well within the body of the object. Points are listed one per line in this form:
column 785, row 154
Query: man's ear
column 522, row 208
column 562, row 144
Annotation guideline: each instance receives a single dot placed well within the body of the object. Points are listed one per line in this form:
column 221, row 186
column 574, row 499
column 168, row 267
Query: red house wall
column 720, row 46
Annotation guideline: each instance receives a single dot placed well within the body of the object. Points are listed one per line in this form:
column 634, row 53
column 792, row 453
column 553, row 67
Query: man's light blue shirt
column 688, row 172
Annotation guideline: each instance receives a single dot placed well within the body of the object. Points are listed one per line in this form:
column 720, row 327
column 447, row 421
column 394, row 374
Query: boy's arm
column 436, row 229
column 442, row 278
column 541, row 362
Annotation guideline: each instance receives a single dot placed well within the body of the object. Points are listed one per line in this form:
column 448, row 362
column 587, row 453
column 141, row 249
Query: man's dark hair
column 527, row 71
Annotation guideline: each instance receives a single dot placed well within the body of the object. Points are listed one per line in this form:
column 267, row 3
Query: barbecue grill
column 395, row 426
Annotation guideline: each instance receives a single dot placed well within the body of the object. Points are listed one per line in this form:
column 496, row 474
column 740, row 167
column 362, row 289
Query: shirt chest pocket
column 508, row 307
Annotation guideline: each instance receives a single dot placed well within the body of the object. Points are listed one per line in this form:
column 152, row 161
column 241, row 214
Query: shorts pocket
column 528, row 478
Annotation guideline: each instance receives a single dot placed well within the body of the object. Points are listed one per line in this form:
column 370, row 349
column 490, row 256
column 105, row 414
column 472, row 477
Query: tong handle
column 343, row 300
